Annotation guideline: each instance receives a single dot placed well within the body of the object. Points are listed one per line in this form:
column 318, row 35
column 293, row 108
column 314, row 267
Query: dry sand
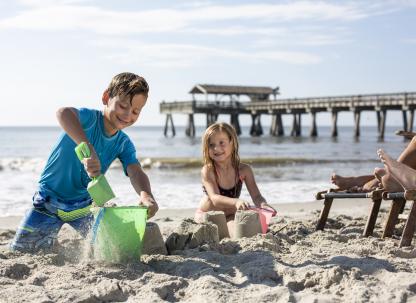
column 291, row 263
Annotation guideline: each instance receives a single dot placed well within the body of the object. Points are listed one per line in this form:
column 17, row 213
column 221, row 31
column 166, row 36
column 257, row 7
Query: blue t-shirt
column 64, row 180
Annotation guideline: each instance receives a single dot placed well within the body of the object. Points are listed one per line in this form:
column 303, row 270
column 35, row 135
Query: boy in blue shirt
column 62, row 192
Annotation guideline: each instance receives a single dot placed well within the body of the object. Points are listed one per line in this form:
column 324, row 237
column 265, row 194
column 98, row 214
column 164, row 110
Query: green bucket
column 117, row 233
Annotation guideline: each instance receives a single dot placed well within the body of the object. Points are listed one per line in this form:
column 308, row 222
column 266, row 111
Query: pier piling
column 334, row 132
column 169, row 119
column 357, row 116
column 235, row 123
column 190, row 129
column 382, row 126
column 405, row 125
column 256, row 129
column 411, row 119
column 276, row 127
column 314, row 130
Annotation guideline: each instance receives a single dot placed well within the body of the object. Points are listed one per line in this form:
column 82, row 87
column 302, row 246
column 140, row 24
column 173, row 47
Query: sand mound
column 291, row 263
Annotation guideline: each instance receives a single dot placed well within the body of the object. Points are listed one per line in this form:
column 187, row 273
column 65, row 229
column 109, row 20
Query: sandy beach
column 291, row 263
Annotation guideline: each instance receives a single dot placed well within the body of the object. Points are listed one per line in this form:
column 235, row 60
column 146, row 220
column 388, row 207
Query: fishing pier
column 223, row 99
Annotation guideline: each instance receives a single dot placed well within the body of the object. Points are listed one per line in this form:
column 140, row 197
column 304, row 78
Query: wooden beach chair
column 397, row 207
column 329, row 195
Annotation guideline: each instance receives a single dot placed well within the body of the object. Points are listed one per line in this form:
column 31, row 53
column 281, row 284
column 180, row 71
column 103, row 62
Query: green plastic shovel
column 98, row 188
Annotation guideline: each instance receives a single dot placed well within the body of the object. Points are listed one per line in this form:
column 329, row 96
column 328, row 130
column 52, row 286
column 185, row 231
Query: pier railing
column 400, row 101
column 199, row 107
column 380, row 103
column 375, row 102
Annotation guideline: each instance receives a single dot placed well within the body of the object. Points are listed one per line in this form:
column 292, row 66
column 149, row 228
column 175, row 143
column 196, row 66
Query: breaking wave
column 37, row 164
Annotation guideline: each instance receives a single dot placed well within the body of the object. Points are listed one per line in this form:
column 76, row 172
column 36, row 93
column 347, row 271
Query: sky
column 65, row 52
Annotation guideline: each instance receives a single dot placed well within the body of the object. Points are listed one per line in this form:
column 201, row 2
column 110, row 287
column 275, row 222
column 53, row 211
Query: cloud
column 310, row 36
column 268, row 27
column 297, row 10
column 67, row 17
column 70, row 15
column 170, row 55
column 45, row 3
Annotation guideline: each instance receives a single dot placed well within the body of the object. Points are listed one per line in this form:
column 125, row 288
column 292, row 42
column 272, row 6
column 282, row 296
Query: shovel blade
column 100, row 191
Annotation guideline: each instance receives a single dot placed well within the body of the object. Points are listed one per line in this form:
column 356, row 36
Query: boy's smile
column 120, row 112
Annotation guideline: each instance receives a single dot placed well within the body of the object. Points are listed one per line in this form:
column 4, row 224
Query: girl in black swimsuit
column 233, row 192
column 223, row 174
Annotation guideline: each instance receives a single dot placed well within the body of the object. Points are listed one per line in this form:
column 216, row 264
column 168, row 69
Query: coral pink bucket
column 265, row 216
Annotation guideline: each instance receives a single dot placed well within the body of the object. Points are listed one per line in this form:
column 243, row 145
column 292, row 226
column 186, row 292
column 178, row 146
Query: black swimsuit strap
column 233, row 192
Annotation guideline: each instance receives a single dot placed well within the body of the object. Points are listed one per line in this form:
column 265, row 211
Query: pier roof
column 233, row 90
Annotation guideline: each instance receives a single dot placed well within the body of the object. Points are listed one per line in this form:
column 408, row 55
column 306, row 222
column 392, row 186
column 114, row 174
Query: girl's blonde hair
column 232, row 136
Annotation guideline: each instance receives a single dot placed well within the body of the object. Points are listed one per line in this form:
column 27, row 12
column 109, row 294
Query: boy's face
column 120, row 112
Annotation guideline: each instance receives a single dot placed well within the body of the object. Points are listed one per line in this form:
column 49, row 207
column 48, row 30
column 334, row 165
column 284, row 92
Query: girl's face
column 220, row 147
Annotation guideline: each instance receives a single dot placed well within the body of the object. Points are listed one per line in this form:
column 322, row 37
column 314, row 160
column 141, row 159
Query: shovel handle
column 82, row 150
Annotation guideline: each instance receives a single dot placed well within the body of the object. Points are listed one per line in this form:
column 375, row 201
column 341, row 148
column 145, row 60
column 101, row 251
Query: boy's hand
column 242, row 205
column 92, row 164
column 151, row 205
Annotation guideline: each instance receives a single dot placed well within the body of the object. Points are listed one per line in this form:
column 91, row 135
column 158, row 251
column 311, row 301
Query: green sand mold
column 118, row 233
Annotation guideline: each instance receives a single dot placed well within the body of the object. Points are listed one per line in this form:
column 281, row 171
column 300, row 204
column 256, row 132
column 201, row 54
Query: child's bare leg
column 403, row 173
column 349, row 182
column 408, row 156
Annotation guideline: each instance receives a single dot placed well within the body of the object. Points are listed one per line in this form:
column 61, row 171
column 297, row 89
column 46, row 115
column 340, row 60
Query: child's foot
column 386, row 180
column 354, row 184
column 379, row 173
column 343, row 183
column 403, row 174
column 385, row 159
column 371, row 185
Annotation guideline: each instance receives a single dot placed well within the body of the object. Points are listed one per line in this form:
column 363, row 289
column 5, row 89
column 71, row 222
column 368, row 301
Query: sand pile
column 291, row 263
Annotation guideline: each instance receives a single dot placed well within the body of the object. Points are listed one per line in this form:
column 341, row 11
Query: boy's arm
column 141, row 185
column 69, row 121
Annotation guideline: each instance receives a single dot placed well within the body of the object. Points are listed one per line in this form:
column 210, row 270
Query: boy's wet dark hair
column 127, row 84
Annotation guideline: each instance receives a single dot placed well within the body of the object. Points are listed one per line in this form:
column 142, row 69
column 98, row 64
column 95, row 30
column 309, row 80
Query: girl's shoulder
column 207, row 170
column 244, row 168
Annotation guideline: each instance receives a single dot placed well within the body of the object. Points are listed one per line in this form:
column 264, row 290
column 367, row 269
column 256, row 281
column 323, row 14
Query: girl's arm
column 252, row 188
column 69, row 121
column 211, row 187
column 141, row 185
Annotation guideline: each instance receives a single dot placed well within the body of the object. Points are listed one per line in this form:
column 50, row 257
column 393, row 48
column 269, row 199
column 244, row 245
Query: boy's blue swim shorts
column 41, row 224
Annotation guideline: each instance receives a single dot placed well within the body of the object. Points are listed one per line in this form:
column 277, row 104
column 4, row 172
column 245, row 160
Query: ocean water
column 287, row 169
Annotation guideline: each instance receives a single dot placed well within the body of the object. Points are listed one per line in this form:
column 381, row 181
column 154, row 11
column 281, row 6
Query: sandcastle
column 218, row 218
column 247, row 223
column 190, row 234
column 153, row 241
